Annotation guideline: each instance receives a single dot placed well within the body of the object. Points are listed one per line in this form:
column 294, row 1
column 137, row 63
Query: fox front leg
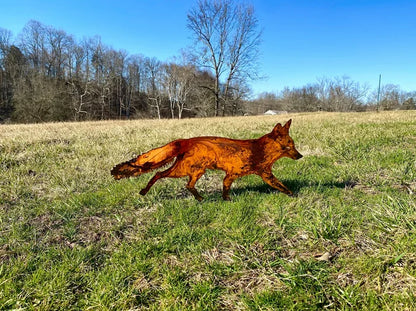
column 271, row 180
column 228, row 180
column 191, row 184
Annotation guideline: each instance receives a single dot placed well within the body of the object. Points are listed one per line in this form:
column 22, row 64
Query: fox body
column 236, row 157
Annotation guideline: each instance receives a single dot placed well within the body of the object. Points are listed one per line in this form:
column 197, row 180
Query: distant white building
column 274, row 112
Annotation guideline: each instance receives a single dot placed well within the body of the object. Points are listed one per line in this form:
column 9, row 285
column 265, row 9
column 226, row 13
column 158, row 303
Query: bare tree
column 178, row 82
column 5, row 43
column 201, row 97
column 171, row 84
column 33, row 45
column 391, row 97
column 227, row 39
column 9, row 65
column 301, row 99
column 410, row 101
column 57, row 52
column 154, row 78
column 340, row 94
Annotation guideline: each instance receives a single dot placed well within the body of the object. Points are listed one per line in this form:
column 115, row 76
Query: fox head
column 281, row 135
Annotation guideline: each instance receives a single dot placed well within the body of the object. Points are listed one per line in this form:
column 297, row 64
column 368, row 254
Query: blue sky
column 302, row 39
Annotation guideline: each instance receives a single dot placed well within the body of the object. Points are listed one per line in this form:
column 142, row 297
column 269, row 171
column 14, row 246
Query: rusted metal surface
column 236, row 157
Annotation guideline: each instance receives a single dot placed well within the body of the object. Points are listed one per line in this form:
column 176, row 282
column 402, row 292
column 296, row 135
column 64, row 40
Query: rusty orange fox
column 236, row 157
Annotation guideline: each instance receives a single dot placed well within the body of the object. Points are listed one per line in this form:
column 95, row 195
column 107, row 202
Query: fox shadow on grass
column 237, row 191
column 294, row 184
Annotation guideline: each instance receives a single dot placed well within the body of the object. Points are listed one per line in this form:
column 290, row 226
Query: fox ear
column 278, row 128
column 287, row 125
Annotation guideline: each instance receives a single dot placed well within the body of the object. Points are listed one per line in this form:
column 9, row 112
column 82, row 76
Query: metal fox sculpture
column 236, row 157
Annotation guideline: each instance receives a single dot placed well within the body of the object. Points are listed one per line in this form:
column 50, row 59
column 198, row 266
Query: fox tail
column 147, row 162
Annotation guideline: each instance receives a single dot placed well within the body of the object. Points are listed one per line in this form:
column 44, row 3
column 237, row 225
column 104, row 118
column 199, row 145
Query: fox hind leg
column 193, row 178
column 175, row 171
column 170, row 172
column 271, row 180
column 155, row 178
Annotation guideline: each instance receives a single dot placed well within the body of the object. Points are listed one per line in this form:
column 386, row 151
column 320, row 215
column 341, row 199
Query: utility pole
column 378, row 93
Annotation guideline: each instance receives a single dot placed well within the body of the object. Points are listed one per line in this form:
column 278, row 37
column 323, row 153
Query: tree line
column 48, row 75
column 334, row 94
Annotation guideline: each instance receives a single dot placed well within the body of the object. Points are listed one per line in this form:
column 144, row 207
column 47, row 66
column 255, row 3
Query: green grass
column 73, row 238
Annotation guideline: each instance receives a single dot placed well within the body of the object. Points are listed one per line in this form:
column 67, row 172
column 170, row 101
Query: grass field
column 73, row 238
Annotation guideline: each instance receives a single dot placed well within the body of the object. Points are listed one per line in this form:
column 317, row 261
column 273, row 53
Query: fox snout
column 295, row 155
